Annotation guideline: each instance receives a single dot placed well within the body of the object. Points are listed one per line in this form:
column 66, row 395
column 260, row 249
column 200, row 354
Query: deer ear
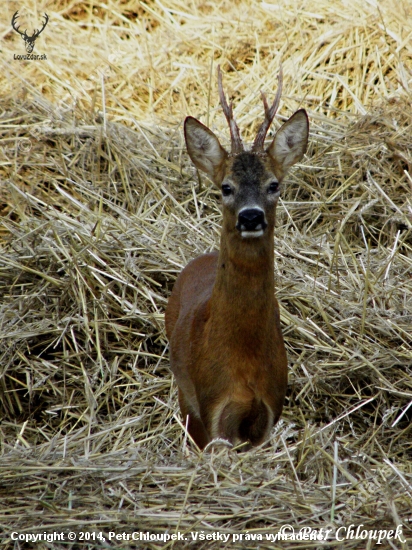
column 204, row 149
column 290, row 142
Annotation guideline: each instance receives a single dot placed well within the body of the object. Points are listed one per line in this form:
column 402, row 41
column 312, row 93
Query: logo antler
column 29, row 40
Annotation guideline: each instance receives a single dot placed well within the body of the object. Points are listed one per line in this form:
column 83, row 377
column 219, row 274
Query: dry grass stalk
column 100, row 210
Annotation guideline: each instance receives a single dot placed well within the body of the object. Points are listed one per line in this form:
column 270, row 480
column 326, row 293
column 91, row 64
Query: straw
column 100, row 209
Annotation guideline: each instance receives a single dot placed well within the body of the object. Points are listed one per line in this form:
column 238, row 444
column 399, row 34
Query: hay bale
column 100, row 209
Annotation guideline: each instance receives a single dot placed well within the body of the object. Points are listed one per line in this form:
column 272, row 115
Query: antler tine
column 36, row 32
column 13, row 23
column 236, row 140
column 269, row 115
column 46, row 20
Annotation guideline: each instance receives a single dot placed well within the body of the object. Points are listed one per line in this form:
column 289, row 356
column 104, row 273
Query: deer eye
column 273, row 187
column 226, row 190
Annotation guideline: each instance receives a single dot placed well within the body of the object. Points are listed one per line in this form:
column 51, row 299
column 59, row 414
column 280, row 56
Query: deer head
column 249, row 180
column 29, row 40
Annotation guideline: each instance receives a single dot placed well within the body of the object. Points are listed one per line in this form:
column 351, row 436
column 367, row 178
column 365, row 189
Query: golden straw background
column 100, row 208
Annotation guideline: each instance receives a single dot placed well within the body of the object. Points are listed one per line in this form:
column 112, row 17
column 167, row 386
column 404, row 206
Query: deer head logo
column 29, row 41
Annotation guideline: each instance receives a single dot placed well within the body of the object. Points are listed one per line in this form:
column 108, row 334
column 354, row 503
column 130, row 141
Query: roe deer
column 222, row 318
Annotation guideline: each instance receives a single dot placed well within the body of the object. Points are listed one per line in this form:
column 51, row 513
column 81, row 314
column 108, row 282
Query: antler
column 269, row 115
column 236, row 140
column 36, row 32
column 13, row 24
column 24, row 34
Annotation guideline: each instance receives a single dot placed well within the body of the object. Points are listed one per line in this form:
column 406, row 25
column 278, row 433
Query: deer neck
column 243, row 295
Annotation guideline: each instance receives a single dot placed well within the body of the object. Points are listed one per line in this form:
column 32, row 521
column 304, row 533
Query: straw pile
column 101, row 208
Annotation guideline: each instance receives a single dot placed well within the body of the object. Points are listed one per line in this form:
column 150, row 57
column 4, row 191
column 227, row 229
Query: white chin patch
column 251, row 234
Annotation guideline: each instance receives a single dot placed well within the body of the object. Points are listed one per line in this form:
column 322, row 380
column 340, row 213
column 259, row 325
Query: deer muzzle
column 251, row 222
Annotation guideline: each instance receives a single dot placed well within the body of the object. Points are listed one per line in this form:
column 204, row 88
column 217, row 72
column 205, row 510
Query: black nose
column 251, row 219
